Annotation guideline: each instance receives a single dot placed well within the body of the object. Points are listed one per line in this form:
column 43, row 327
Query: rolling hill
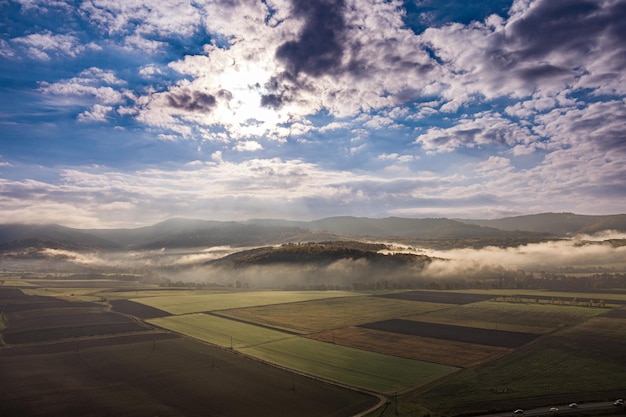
column 188, row 233
column 559, row 224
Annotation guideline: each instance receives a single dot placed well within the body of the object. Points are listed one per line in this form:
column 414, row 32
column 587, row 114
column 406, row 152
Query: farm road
column 562, row 409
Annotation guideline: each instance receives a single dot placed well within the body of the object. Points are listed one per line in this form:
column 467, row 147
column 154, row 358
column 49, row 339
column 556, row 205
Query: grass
column 15, row 282
column 331, row 313
column 72, row 294
column 348, row 366
column 196, row 303
column 526, row 317
column 573, row 362
column 358, row 368
column 219, row 331
column 563, row 295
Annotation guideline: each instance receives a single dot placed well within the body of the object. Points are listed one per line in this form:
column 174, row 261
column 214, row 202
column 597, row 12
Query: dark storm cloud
column 319, row 48
column 546, row 71
column 569, row 27
column 282, row 87
column 191, row 101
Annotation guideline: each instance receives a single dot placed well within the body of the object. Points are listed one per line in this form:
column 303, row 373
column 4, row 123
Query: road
column 563, row 409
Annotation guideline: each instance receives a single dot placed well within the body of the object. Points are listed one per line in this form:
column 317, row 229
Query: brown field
column 138, row 310
column 617, row 313
column 101, row 372
column 439, row 297
column 444, row 352
column 490, row 337
column 83, row 283
column 331, row 313
column 172, row 377
column 37, row 319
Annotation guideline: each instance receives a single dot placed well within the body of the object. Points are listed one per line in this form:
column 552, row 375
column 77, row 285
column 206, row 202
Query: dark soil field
column 13, row 300
column 426, row 349
column 439, row 297
column 106, row 372
column 175, row 377
column 475, row 335
column 616, row 314
column 36, row 319
column 138, row 310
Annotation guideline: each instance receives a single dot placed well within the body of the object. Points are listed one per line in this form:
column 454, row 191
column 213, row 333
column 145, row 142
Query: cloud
column 191, row 101
column 248, row 146
column 98, row 113
column 39, row 46
column 319, row 48
column 542, row 48
column 481, row 129
column 94, row 82
column 510, row 114
column 43, row 5
column 143, row 17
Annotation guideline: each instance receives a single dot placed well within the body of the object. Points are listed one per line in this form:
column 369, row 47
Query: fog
column 581, row 254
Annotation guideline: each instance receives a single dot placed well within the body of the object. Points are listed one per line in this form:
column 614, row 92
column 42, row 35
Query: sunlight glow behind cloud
column 310, row 109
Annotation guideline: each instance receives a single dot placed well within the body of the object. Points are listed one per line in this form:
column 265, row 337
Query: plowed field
column 426, row 349
column 475, row 335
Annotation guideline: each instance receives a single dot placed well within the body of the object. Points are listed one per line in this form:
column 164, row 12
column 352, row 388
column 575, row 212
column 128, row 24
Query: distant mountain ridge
column 181, row 233
column 560, row 224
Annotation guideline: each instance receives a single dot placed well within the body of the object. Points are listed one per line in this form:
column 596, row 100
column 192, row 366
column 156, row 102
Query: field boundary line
column 252, row 323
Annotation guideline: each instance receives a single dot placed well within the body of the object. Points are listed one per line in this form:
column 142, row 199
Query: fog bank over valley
column 583, row 254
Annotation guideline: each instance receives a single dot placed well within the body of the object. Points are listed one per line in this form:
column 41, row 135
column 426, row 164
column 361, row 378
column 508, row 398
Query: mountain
column 173, row 233
column 559, row 224
column 188, row 233
column 52, row 236
column 390, row 227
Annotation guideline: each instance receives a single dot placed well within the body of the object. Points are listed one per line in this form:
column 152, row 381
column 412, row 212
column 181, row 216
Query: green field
column 367, row 370
column 571, row 364
column 530, row 317
column 331, row 313
column 562, row 295
column 214, row 301
column 358, row 368
column 219, row 331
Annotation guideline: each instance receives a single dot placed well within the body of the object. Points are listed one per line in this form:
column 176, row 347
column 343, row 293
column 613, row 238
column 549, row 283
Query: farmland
column 360, row 368
column 147, row 350
column 213, row 301
column 330, row 313
column 88, row 363
column 575, row 364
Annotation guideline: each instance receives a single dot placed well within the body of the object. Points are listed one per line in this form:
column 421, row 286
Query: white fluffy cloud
column 515, row 113
column 479, row 130
column 40, row 46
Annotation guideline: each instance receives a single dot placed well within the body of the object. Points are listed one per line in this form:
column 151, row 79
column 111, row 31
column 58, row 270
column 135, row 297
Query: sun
column 245, row 81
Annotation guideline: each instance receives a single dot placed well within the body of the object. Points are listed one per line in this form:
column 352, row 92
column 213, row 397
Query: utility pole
column 395, row 396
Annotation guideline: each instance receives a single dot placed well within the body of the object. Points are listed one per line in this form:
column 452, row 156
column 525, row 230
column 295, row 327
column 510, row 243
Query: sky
column 127, row 113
